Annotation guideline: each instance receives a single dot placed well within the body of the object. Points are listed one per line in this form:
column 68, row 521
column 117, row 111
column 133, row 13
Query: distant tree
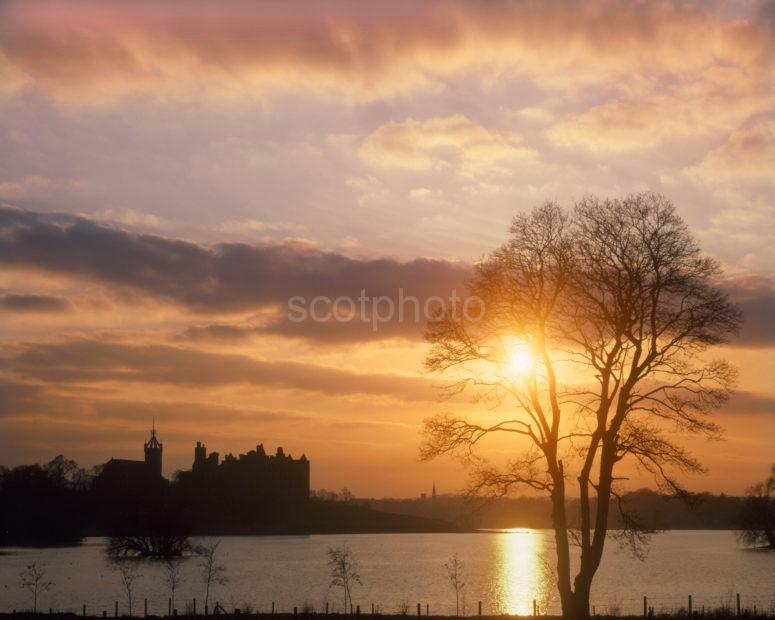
column 344, row 572
column 757, row 517
column 43, row 504
column 173, row 576
column 33, row 579
column 212, row 571
column 130, row 573
column 345, row 495
column 159, row 545
column 593, row 324
column 454, row 570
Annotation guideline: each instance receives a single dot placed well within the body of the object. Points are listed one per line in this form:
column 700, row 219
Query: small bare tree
column 173, row 576
column 213, row 572
column 454, row 570
column 33, row 579
column 344, row 572
column 130, row 573
column 594, row 325
column 757, row 517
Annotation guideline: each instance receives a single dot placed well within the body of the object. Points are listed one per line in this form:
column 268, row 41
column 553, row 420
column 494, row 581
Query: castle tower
column 200, row 456
column 153, row 453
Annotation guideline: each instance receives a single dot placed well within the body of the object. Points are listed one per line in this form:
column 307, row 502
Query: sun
column 521, row 361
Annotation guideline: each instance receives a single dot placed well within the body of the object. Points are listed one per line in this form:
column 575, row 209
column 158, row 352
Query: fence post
column 738, row 603
column 358, row 610
column 104, row 613
column 427, row 609
column 145, row 608
column 594, row 612
column 116, row 609
column 690, row 604
column 295, row 611
column 194, row 610
column 480, row 609
column 645, row 606
column 419, row 609
column 273, row 607
column 535, row 608
column 84, row 610
column 169, row 606
column 207, row 609
column 326, row 607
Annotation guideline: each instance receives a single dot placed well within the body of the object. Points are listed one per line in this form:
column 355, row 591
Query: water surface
column 505, row 570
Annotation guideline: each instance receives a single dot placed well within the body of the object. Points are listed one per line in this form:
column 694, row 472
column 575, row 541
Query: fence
column 727, row 606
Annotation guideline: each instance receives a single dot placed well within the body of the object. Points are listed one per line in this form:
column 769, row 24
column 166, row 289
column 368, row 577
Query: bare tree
column 213, row 572
column 173, row 576
column 130, row 573
column 454, row 570
column 157, row 545
column 757, row 517
column 593, row 326
column 33, row 579
column 344, row 572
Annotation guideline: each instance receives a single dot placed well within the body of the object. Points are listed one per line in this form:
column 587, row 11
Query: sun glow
column 521, row 361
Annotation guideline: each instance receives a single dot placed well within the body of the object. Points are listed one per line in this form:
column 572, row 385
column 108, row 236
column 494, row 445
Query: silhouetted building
column 128, row 475
column 273, row 478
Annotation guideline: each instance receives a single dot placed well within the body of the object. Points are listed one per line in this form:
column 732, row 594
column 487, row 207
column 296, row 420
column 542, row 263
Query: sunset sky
column 172, row 172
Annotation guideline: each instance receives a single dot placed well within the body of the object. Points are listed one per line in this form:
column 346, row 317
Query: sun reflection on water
column 522, row 572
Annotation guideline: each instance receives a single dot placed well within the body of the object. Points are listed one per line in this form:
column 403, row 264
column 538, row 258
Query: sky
column 172, row 173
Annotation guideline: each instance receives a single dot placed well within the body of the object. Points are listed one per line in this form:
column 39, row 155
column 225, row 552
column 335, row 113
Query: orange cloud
column 452, row 142
column 372, row 49
column 747, row 156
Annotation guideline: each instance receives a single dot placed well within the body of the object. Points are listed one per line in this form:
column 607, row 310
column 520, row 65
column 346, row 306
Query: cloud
column 238, row 278
column 650, row 120
column 751, row 403
column 756, row 298
column 748, row 156
column 231, row 277
column 14, row 302
column 114, row 47
column 452, row 142
column 18, row 398
column 90, row 361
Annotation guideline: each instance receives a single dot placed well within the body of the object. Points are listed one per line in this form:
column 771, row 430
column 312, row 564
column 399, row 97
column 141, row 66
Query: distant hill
column 653, row 510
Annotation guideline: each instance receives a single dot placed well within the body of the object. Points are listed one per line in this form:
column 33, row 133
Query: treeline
column 650, row 509
column 45, row 504
column 59, row 503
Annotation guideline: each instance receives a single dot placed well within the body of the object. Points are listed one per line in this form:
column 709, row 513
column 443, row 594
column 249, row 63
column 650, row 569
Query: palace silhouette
column 250, row 492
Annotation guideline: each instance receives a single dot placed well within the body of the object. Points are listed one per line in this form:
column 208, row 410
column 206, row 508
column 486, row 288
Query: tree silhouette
column 454, row 570
column 757, row 517
column 173, row 576
column 344, row 572
column 213, row 572
column 130, row 573
column 615, row 305
column 33, row 579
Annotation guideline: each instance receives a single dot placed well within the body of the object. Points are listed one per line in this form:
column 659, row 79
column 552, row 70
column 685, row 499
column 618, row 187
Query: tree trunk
column 560, row 523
